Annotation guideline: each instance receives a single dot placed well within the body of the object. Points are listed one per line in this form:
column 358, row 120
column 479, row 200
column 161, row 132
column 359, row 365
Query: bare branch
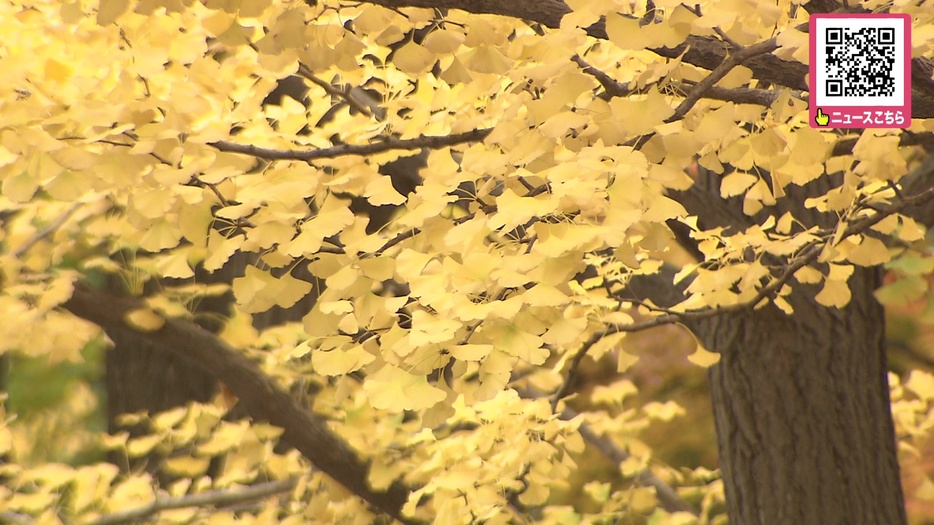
column 761, row 97
column 546, row 12
column 387, row 144
column 572, row 369
column 735, row 59
column 214, row 498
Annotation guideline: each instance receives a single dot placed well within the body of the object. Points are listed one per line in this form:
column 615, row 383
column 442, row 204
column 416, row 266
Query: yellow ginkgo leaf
column 186, row 466
column 68, row 185
column 380, row 192
column 160, row 236
column 20, row 188
column 413, row 59
column 135, row 490
column 736, row 183
column 834, row 293
column 663, row 411
column 142, row 445
column 340, row 361
column 397, row 390
column 444, row 41
column 703, row 357
column 487, row 59
column 109, row 10
column 58, row 71
column 470, row 352
column 145, row 320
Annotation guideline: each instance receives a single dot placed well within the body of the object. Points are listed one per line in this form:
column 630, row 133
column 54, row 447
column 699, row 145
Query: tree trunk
column 140, row 377
column 143, row 378
column 801, row 406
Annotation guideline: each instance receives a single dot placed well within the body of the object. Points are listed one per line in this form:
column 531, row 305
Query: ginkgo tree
column 584, row 170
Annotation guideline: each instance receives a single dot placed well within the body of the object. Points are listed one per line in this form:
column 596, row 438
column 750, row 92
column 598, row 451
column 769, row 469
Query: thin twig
column 667, row 496
column 572, row 370
column 345, row 94
column 49, row 230
column 214, row 498
column 761, row 97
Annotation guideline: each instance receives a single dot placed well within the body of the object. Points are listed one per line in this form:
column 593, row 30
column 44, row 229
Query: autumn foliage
column 567, row 153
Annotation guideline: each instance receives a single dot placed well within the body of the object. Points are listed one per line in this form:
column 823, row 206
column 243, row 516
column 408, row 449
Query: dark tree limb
column 387, row 144
column 701, row 51
column 261, row 396
column 730, row 62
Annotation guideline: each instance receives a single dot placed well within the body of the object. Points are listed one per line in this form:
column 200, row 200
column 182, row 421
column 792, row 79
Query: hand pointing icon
column 822, row 118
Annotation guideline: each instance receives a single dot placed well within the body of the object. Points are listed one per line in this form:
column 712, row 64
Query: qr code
column 860, row 62
column 860, row 70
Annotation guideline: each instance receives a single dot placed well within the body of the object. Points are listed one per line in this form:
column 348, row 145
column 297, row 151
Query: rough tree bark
column 801, row 406
column 801, row 402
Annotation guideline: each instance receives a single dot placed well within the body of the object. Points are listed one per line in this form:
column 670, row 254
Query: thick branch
column 704, row 52
column 718, row 73
column 261, row 396
column 546, row 12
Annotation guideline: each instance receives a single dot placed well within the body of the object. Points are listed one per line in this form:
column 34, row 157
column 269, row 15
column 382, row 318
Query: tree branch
column 761, row 97
column 345, row 94
column 260, row 395
column 215, row 498
column 49, row 230
column 733, row 60
column 668, row 497
column 386, row 144
column 660, row 289
column 612, row 87
column 704, row 52
column 806, row 255
column 15, row 518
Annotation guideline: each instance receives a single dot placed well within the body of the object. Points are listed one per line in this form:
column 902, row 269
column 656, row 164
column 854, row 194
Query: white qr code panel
column 860, row 62
column 860, row 70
